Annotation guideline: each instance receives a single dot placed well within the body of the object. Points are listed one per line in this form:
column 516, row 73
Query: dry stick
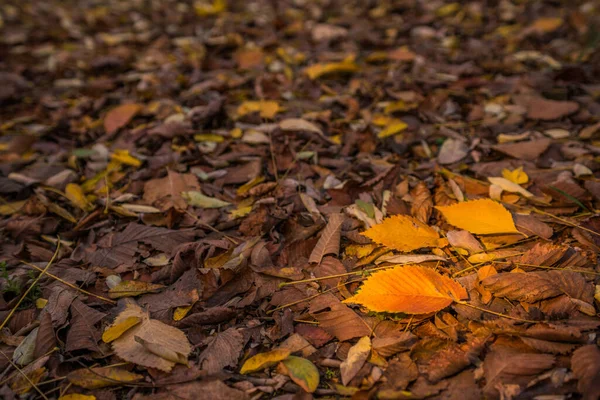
column 35, row 281
column 582, row 271
column 464, row 303
column 293, row 303
column 39, row 358
column 70, row 284
column 24, row 375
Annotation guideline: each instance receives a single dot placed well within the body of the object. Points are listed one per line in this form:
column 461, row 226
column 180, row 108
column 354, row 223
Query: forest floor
column 299, row 198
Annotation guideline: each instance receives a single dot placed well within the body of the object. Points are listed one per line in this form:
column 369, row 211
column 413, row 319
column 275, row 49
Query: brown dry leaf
column 482, row 216
column 585, row 364
column 223, row 351
column 390, row 345
column 357, row 356
column 338, row 319
column 505, row 367
column 46, row 339
column 150, row 331
column 166, row 193
column 544, row 109
column 210, row 389
column 94, row 378
column 120, row 116
column 529, row 150
column 464, row 240
column 453, row 359
column 83, row 333
column 409, row 289
column 132, row 288
column 329, row 242
column 422, row 204
column 530, row 225
column 404, row 233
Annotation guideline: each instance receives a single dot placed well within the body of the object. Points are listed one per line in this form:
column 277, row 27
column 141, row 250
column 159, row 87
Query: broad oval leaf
column 403, row 233
column 482, row 217
column 264, row 360
column 411, row 289
column 302, row 372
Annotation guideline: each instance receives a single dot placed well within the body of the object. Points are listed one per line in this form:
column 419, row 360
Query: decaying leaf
column 357, row 355
column 94, row 378
column 408, row 289
column 329, row 242
column 585, row 364
column 120, row 116
column 302, row 372
column 404, row 233
column 264, row 360
column 132, row 288
column 318, row 70
column 479, row 216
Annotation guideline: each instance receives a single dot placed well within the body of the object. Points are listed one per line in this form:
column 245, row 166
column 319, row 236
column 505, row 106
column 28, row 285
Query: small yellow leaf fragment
column 208, row 137
column 517, row 176
column 410, row 289
column 123, row 157
column 318, row 70
column 11, row 208
column 264, row 360
column 483, row 216
column 116, row 330
column 206, row 9
column 132, row 288
column 266, row 108
column 302, row 372
column 546, row 25
column 41, row 303
column 75, row 194
column 181, row 312
column 394, row 127
column 403, row 233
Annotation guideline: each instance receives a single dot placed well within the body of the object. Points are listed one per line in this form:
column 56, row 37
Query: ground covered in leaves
column 293, row 199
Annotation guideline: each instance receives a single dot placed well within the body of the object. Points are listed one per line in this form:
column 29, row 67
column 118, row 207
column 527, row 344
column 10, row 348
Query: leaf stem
column 464, row 303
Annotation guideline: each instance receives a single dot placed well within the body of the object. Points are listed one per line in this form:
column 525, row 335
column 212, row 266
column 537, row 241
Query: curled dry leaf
column 357, row 356
column 404, row 233
column 158, row 334
column 409, row 289
column 482, row 216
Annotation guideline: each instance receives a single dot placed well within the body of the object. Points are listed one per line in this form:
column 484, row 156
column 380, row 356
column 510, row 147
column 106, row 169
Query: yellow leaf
column 205, row 9
column 181, row 312
column 11, row 208
column 357, row 356
column 41, row 303
column 95, row 378
column 267, row 109
column 209, row 137
column 509, row 186
column 403, row 233
column 447, row 9
column 317, row 70
column 76, row 396
column 359, row 250
column 116, row 330
column 124, row 157
column 410, row 289
column 302, row 372
column 482, row 216
column 546, row 25
column 75, row 194
column 396, row 126
column 399, row 105
column 517, row 176
column 264, row 360
column 132, row 288
column 243, row 190
column 21, row 385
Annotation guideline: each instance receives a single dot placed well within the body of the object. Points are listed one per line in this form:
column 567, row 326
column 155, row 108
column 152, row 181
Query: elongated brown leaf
column 529, row 287
column 329, row 242
column 45, row 340
column 337, row 319
column 357, row 355
column 585, row 364
column 453, row 359
column 506, row 367
column 120, row 116
column 223, row 351
column 84, row 334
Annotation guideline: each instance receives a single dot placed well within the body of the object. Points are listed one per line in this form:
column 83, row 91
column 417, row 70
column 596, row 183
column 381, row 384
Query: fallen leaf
column 357, row 356
column 392, row 128
column 544, row 109
column 266, row 108
column 530, row 150
column 224, row 350
column 504, row 367
column 116, row 330
column 165, row 193
column 76, row 396
column 197, row 199
column 482, row 216
column 298, row 124
column 151, row 331
column 409, row 289
column 302, row 372
column 517, row 175
column 132, row 288
column 585, row 364
column 263, row 361
column 76, row 195
column 95, row 378
column 162, row 351
column 318, row 70
column 509, row 186
column 338, row 319
column 329, row 242
column 452, row 150
column 404, row 233
column 120, row 116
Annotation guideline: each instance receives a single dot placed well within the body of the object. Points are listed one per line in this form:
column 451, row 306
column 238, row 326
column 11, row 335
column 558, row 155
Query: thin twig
column 35, row 281
column 24, row 375
column 464, row 303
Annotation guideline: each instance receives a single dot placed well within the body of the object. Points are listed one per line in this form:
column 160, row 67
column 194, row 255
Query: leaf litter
column 323, row 199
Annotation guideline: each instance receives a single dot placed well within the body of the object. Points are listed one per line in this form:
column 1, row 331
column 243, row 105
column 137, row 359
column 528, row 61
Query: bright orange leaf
column 482, row 217
column 410, row 289
column 404, row 233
